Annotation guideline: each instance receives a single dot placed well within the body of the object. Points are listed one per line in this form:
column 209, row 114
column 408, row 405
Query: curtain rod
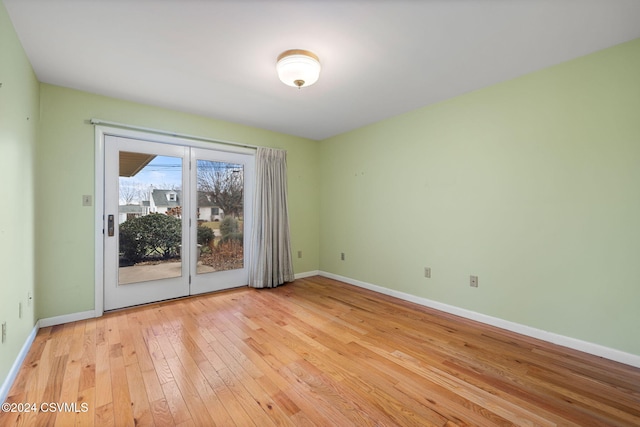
column 169, row 133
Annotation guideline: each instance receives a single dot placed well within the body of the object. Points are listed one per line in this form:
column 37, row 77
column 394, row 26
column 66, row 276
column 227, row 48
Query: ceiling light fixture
column 297, row 68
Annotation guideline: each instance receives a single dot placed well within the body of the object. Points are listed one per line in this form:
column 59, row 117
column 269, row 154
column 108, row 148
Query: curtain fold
column 271, row 261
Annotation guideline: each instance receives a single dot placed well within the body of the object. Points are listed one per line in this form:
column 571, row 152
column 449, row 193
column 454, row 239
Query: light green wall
column 18, row 131
column 65, row 164
column 532, row 184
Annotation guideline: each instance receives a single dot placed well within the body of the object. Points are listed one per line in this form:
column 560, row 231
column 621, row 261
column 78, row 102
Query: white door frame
column 100, row 220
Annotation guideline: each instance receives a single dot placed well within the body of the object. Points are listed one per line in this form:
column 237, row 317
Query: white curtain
column 271, row 261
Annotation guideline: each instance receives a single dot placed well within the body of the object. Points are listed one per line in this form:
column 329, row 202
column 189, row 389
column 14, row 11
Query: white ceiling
column 380, row 58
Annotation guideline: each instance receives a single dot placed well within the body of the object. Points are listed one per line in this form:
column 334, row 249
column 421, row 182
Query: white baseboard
column 67, row 318
column 17, row 364
column 307, row 274
column 573, row 343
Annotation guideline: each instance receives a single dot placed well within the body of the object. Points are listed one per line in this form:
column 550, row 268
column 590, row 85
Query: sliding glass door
column 176, row 219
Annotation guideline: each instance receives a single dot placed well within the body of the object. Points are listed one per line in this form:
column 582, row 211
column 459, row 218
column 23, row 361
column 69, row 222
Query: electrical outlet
column 427, row 272
column 86, row 200
column 473, row 281
column 4, row 332
column 342, row 256
column 299, row 254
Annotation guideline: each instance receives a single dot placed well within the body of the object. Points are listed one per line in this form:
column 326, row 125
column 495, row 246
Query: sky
column 162, row 172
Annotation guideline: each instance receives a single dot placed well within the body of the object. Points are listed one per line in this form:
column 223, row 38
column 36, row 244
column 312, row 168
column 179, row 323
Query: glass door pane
column 220, row 216
column 222, row 211
column 150, row 217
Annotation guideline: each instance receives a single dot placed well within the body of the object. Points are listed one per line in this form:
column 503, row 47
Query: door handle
column 110, row 226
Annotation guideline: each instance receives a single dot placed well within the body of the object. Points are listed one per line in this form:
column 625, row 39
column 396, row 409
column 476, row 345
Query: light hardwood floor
column 313, row 352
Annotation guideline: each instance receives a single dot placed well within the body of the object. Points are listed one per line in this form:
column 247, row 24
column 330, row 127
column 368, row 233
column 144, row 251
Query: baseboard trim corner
column 17, row 364
column 307, row 274
column 551, row 337
column 67, row 318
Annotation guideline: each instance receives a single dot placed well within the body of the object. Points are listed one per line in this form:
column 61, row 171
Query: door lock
column 110, row 226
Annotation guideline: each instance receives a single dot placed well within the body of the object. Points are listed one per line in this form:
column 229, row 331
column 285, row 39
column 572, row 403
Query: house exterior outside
column 207, row 211
column 126, row 212
column 165, row 201
column 169, row 202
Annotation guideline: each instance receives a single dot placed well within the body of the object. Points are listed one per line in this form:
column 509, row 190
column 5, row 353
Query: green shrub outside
column 150, row 236
column 230, row 231
column 205, row 235
column 228, row 225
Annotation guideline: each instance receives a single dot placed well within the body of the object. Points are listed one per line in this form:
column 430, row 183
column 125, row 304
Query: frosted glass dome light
column 298, row 68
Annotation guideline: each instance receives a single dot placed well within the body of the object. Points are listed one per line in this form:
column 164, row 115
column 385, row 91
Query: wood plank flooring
column 315, row 352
